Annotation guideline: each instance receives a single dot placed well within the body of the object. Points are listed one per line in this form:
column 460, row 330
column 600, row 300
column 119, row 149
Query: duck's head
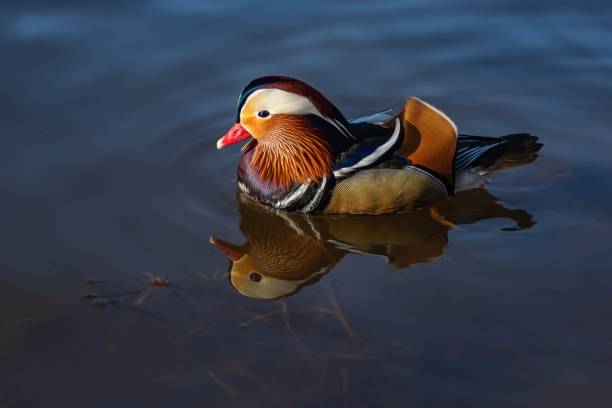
column 295, row 129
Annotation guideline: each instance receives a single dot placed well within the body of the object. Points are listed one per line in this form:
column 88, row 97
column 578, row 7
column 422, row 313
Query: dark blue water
column 109, row 113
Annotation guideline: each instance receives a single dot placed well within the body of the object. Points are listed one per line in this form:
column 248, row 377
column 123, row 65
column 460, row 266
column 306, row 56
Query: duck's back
column 426, row 176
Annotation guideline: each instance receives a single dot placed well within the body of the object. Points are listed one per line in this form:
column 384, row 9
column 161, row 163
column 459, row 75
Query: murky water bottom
column 111, row 179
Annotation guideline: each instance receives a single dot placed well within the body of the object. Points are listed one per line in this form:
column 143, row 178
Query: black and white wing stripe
column 368, row 153
column 319, row 193
column 307, row 197
column 379, row 118
column 469, row 151
column 478, row 156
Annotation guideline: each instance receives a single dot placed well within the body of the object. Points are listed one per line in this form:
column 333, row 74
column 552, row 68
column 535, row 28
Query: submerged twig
column 225, row 386
column 344, row 380
column 159, row 280
column 349, row 356
column 143, row 295
column 286, row 317
column 259, row 317
column 339, row 313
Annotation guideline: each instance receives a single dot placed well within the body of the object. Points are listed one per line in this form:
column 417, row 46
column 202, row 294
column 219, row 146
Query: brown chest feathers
column 289, row 155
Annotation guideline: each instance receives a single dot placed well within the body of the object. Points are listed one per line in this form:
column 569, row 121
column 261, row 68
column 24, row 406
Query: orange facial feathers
column 291, row 152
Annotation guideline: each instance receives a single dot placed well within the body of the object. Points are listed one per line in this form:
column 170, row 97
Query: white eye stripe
column 277, row 101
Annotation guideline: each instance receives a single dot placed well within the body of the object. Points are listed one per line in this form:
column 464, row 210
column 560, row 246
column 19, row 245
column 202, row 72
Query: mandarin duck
column 304, row 155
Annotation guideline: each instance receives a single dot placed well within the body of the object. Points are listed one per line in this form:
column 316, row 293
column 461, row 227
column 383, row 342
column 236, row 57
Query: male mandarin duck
column 304, row 155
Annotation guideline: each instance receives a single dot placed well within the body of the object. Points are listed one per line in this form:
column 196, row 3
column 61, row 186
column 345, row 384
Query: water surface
column 109, row 116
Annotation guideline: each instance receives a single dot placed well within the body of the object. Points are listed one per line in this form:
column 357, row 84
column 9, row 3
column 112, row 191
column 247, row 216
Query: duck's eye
column 263, row 113
column 255, row 277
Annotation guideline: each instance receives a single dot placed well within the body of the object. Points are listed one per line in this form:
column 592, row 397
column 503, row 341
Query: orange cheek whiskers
column 289, row 157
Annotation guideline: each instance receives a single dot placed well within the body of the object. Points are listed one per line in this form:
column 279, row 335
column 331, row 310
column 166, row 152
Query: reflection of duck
column 286, row 251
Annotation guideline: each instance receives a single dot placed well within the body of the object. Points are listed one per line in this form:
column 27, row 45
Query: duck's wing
column 377, row 144
column 379, row 118
column 430, row 138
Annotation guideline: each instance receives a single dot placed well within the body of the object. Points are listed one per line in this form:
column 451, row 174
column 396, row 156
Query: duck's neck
column 305, row 196
column 292, row 160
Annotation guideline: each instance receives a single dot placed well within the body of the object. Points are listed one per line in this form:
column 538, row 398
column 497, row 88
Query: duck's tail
column 478, row 156
column 431, row 141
